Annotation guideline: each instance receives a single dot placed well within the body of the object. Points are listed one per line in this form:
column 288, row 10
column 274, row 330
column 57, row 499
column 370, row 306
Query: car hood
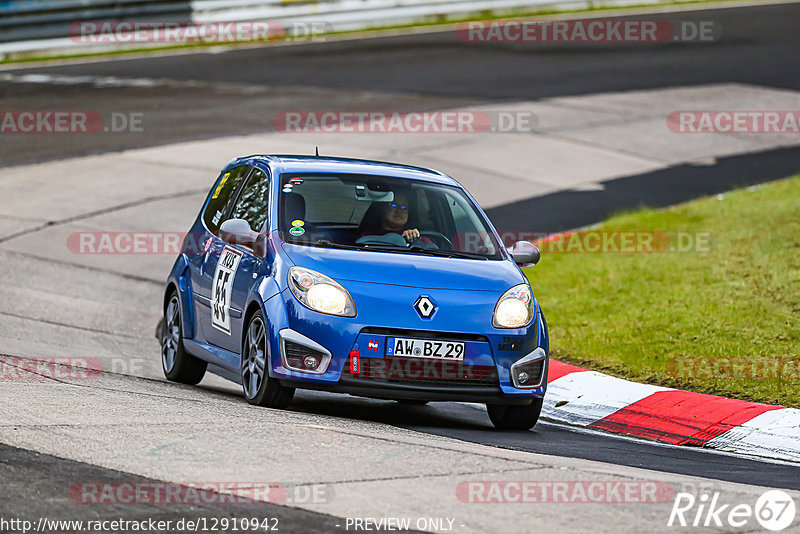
column 412, row 270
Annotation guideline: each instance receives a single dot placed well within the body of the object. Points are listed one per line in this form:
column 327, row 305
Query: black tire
column 412, row 402
column 265, row 391
column 512, row 417
column 177, row 364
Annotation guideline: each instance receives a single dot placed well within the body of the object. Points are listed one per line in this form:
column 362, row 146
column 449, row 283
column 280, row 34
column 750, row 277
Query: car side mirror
column 238, row 232
column 525, row 253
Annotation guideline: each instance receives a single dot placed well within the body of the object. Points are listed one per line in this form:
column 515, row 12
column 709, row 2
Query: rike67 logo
column 774, row 510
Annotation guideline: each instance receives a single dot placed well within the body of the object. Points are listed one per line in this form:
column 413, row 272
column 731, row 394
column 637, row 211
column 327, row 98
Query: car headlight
column 320, row 293
column 514, row 309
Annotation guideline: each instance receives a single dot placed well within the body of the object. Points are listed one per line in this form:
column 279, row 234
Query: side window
column 252, row 205
column 423, row 210
column 221, row 195
column 461, row 216
column 471, row 234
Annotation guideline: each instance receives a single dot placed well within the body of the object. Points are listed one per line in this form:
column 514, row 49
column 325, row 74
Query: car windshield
column 383, row 214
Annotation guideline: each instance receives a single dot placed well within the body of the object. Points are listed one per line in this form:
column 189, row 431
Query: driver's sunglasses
column 397, row 207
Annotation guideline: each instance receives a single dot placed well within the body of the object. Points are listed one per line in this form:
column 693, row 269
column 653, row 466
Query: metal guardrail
column 41, row 19
column 343, row 15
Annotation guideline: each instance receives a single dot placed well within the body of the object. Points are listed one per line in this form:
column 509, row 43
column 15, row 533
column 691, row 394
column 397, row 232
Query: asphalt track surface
column 212, row 95
column 470, row 424
column 30, row 477
column 556, row 211
column 760, row 45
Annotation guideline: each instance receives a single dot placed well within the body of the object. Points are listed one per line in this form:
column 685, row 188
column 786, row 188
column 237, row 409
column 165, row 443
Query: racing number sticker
column 223, row 285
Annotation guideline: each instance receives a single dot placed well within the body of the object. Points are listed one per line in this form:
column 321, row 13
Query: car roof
column 286, row 163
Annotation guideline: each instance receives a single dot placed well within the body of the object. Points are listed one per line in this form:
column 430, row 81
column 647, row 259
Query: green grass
column 635, row 315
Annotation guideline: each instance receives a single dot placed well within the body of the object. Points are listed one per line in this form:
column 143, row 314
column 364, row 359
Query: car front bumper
column 483, row 376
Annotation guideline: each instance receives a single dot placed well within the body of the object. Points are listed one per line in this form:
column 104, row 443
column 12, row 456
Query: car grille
column 424, row 334
column 424, row 371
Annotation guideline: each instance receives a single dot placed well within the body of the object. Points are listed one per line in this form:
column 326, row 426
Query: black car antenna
column 317, row 150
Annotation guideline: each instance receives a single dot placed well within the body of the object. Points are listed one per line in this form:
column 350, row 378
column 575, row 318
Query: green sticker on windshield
column 296, row 230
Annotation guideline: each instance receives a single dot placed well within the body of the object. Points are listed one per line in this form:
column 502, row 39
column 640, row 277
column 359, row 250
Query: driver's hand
column 411, row 235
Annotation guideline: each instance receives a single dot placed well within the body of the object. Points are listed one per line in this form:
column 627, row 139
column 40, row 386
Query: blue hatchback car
column 362, row 277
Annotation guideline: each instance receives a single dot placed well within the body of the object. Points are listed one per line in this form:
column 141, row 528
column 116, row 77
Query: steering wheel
column 440, row 240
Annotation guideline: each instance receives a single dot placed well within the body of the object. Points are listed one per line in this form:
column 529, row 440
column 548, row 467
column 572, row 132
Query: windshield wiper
column 428, row 251
column 377, row 246
column 447, row 253
column 332, row 244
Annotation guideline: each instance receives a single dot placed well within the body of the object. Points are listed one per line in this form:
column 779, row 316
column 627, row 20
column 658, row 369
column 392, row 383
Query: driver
column 390, row 218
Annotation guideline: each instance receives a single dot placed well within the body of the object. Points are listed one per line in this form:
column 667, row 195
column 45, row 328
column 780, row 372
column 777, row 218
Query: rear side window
column 222, row 195
column 253, row 200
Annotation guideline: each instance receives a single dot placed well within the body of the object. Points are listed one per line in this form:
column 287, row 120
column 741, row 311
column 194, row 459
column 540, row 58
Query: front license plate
column 425, row 348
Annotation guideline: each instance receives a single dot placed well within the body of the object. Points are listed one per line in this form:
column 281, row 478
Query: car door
column 203, row 235
column 233, row 268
